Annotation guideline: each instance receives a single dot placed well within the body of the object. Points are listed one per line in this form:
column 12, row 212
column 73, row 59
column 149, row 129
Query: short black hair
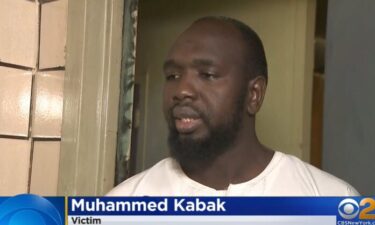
column 256, row 57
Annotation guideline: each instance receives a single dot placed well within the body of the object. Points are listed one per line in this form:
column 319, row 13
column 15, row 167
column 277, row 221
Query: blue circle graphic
column 29, row 209
column 28, row 217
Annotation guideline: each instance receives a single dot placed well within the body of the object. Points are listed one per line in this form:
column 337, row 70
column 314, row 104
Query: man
column 216, row 77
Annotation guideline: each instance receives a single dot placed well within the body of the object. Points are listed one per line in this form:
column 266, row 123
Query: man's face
column 205, row 91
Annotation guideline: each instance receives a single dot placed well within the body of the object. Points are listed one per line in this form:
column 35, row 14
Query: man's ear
column 256, row 91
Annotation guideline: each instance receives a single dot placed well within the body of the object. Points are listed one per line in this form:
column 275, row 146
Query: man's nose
column 186, row 88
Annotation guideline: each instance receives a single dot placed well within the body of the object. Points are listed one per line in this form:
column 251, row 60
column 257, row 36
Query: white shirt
column 285, row 175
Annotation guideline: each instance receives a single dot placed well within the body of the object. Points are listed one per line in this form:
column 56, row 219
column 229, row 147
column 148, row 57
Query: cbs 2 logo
column 349, row 209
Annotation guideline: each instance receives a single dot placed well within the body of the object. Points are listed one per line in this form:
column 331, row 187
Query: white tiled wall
column 45, row 166
column 53, row 38
column 47, row 104
column 32, row 60
column 19, row 32
column 14, row 166
column 15, row 93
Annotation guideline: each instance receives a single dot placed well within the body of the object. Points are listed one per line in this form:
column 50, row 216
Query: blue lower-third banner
column 32, row 209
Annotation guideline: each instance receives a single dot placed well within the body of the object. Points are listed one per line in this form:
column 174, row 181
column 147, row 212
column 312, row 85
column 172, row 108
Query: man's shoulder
column 318, row 182
column 150, row 179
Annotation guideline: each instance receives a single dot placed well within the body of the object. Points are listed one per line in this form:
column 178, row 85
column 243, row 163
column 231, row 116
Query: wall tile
column 53, row 34
column 15, row 96
column 18, row 32
column 14, row 166
column 48, row 104
column 45, row 165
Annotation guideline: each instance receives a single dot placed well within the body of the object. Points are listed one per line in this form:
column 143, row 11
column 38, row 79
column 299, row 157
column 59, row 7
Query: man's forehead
column 209, row 36
column 212, row 27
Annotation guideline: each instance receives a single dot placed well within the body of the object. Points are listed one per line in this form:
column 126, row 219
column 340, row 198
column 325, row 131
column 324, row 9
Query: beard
column 198, row 153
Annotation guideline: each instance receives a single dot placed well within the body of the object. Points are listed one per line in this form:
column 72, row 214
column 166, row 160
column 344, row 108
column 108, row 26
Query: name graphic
column 162, row 205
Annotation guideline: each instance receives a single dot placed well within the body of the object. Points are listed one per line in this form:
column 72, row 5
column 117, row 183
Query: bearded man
column 216, row 78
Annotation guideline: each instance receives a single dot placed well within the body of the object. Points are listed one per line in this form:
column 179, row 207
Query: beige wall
column 286, row 28
column 32, row 60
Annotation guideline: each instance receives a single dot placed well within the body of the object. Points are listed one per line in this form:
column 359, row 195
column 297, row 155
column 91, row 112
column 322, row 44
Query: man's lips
column 187, row 125
column 186, row 119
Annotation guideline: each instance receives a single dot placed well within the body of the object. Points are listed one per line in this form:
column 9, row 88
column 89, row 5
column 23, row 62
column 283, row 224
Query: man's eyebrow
column 170, row 63
column 202, row 62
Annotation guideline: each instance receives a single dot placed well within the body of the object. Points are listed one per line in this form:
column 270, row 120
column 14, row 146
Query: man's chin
column 190, row 160
column 201, row 148
column 192, row 138
column 192, row 151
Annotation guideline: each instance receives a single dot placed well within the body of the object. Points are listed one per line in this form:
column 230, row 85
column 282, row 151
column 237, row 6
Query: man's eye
column 209, row 76
column 172, row 77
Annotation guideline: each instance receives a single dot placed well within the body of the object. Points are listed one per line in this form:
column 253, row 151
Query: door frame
column 91, row 97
